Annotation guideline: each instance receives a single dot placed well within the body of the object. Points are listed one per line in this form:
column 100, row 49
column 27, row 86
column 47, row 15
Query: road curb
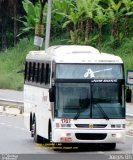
column 129, row 127
column 130, row 133
column 11, row 110
column 11, row 102
column 11, row 106
column 129, row 116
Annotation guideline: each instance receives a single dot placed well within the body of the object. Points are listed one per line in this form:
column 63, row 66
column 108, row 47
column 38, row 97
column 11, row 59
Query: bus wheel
column 37, row 138
column 50, row 134
column 32, row 129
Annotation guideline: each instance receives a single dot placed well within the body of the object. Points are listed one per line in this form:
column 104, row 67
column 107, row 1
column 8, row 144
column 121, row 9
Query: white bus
column 74, row 94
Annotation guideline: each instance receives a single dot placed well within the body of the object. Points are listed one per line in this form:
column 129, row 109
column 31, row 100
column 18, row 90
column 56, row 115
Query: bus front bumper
column 88, row 136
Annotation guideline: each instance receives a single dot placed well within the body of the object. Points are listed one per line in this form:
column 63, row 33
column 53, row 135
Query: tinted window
column 47, row 80
column 34, row 70
column 88, row 71
column 42, row 73
column 38, row 73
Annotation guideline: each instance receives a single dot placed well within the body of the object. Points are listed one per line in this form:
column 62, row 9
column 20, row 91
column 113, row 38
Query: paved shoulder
column 129, row 109
column 11, row 95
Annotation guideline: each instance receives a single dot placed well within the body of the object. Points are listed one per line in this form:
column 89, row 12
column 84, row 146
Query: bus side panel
column 40, row 107
column 43, row 113
column 28, row 107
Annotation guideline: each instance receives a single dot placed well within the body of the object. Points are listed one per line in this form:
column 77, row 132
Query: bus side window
column 33, row 78
column 38, row 73
column 35, row 73
column 29, row 71
column 47, row 78
column 42, row 73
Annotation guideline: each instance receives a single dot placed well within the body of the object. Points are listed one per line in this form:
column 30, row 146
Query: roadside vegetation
column 12, row 61
column 104, row 24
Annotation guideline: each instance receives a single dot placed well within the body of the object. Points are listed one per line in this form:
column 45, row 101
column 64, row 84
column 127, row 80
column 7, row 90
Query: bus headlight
column 63, row 125
column 117, row 135
column 57, row 125
column 117, row 125
column 65, row 137
column 63, row 134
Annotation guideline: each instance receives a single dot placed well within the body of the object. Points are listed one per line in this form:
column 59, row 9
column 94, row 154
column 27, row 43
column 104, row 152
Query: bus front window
column 70, row 98
column 109, row 97
column 86, row 100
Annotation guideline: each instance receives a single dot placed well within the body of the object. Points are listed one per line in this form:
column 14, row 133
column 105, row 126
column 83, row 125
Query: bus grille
column 88, row 125
column 90, row 136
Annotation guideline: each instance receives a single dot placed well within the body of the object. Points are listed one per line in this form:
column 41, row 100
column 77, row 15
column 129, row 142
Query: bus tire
column 32, row 125
column 37, row 138
column 30, row 121
column 50, row 133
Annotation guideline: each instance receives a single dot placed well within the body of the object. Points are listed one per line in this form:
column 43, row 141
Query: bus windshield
column 87, row 71
column 89, row 100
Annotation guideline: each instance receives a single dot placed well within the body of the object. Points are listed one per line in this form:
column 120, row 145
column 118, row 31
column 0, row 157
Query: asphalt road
column 11, row 95
column 15, row 139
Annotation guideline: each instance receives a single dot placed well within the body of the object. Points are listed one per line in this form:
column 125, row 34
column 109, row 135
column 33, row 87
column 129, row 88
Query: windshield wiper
column 79, row 111
column 102, row 111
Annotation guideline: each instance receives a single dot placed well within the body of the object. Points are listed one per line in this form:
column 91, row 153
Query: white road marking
column 100, row 152
column 11, row 126
column 10, row 115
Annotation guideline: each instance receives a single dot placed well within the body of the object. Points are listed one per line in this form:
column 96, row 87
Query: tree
column 32, row 17
column 128, row 11
column 115, row 12
column 101, row 19
column 10, row 11
column 72, row 18
column 89, row 6
column 42, row 4
column 59, row 7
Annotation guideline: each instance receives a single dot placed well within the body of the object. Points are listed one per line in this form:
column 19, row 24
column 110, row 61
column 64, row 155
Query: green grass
column 12, row 60
column 125, row 51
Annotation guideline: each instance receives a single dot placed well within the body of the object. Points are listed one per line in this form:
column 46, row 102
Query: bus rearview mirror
column 128, row 95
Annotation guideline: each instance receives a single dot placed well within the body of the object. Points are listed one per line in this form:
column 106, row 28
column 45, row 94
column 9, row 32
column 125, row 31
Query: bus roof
column 73, row 54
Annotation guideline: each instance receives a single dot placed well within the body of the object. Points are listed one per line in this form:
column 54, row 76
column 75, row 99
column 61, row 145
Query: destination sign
column 104, row 81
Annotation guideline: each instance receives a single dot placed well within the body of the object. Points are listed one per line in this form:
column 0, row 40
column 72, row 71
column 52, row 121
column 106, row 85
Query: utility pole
column 39, row 28
column 48, row 24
